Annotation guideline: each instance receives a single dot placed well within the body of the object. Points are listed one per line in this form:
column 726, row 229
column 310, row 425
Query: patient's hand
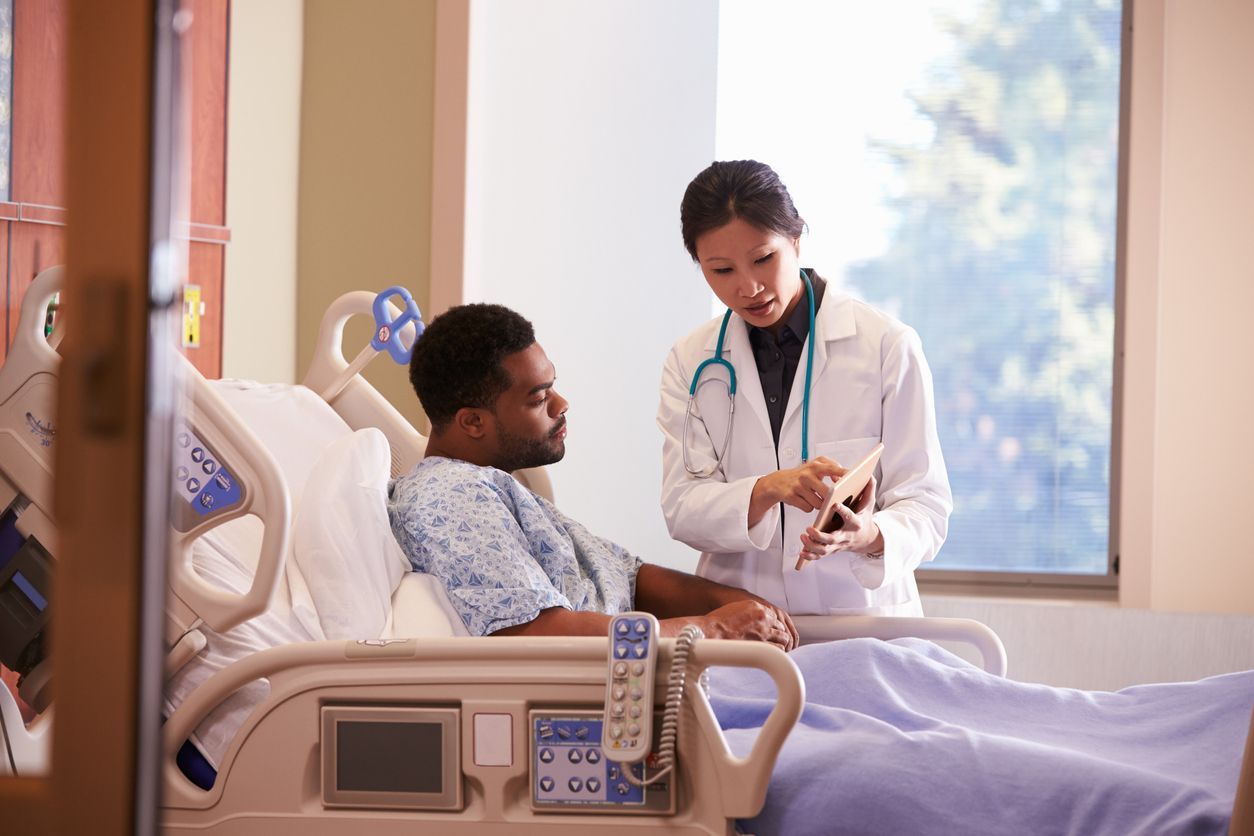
column 753, row 620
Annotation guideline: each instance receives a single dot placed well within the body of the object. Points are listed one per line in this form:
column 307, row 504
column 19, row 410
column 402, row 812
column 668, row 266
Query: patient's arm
column 559, row 621
column 725, row 612
column 677, row 599
column 670, row 594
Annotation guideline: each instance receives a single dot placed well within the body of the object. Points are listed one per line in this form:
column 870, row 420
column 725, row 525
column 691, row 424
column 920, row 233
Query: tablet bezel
column 847, row 487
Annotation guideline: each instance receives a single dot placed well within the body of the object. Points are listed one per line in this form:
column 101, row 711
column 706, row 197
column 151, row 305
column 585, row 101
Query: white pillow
column 421, row 610
column 342, row 542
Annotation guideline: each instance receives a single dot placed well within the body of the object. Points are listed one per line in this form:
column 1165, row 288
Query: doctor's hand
column 801, row 487
column 859, row 533
column 751, row 619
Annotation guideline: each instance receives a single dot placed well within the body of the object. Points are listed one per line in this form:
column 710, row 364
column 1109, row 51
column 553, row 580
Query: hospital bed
column 474, row 712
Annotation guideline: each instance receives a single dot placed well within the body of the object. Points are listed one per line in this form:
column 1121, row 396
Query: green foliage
column 1003, row 259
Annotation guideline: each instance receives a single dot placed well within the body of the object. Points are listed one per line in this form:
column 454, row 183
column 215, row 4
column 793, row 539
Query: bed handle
column 29, row 338
column 823, row 628
column 264, row 495
column 743, row 782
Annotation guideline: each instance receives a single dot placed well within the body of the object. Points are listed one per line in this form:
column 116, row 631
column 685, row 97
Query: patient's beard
column 517, row 452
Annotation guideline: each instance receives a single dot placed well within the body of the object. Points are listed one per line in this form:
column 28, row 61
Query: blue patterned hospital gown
column 503, row 553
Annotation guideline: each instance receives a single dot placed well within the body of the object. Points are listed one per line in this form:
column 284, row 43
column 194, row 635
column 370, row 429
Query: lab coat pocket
column 842, row 594
column 847, row 452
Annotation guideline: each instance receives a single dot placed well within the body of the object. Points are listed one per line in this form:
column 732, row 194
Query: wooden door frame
column 102, row 780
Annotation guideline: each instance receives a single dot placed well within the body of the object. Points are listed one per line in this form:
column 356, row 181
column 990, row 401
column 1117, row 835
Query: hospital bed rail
column 269, row 778
column 823, row 628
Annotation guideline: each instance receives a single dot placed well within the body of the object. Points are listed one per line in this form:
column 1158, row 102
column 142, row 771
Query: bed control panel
column 202, row 481
column 569, row 772
column 629, row 687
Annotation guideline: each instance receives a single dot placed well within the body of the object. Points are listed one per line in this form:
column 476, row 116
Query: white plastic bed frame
column 269, row 780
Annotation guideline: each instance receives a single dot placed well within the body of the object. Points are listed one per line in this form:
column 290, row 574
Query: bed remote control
column 628, row 729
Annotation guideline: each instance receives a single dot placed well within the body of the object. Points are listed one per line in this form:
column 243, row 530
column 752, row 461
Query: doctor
column 819, row 379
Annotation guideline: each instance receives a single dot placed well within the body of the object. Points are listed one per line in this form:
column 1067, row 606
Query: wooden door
column 33, row 219
column 110, row 592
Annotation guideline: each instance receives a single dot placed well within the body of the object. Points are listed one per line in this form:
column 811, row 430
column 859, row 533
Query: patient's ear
column 472, row 422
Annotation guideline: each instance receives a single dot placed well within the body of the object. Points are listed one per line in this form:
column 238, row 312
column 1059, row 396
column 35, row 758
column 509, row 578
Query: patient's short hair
column 457, row 360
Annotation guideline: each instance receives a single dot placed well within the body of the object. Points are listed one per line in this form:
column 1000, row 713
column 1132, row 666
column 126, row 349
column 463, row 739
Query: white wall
column 262, row 154
column 1104, row 648
column 1189, row 395
column 586, row 122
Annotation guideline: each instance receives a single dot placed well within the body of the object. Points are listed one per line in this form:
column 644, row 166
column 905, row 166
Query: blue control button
column 193, row 485
column 546, row 755
column 642, row 627
column 622, row 628
column 620, row 650
column 575, row 784
column 593, row 785
column 640, row 650
column 593, row 756
column 563, row 732
column 209, row 466
column 546, row 784
column 575, row 756
column 197, row 454
column 582, row 733
column 218, row 493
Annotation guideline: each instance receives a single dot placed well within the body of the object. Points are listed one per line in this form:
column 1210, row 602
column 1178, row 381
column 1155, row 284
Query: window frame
column 1074, row 584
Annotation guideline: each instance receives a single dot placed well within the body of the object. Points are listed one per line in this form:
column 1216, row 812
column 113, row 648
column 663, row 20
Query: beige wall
column 1186, row 543
column 263, row 144
column 365, row 166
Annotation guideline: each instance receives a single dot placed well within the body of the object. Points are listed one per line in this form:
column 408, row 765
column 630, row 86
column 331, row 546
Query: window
column 957, row 164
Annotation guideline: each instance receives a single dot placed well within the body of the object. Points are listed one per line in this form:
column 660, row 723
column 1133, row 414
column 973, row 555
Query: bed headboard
column 361, row 405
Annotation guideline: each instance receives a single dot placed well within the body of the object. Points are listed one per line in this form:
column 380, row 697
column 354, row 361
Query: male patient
column 511, row 562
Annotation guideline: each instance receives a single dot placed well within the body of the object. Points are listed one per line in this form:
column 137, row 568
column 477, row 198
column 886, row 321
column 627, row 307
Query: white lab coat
column 871, row 383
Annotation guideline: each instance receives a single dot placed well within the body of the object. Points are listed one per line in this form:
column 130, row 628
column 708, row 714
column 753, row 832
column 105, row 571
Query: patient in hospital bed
column 511, row 563
column 895, row 737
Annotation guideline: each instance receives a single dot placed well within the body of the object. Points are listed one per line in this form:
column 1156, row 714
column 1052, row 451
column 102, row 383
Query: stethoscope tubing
column 718, row 359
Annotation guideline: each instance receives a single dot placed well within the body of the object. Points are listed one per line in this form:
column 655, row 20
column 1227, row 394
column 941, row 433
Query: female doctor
column 820, row 378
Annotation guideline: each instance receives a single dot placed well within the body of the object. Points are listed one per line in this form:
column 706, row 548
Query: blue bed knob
column 387, row 335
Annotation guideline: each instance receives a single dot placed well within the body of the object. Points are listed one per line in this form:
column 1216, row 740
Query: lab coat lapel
column 832, row 321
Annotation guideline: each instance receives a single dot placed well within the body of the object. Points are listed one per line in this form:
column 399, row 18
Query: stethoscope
column 717, row 359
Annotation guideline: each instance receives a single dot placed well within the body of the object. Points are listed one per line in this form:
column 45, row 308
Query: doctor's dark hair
column 457, row 360
column 745, row 189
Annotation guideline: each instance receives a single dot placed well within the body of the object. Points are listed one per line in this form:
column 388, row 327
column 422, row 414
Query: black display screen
column 382, row 756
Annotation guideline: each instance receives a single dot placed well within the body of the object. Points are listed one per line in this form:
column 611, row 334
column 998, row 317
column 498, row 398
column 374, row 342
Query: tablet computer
column 845, row 491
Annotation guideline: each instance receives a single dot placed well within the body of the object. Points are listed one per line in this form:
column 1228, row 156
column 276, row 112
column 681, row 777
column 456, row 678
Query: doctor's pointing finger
column 764, row 406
